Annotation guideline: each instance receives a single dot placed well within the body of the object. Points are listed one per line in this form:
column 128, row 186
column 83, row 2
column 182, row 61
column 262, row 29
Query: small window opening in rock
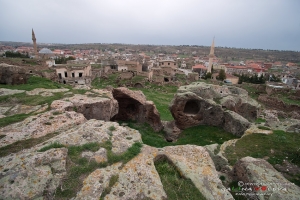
column 30, row 72
column 66, row 74
column 191, row 107
column 73, row 74
column 220, row 91
column 80, row 74
column 64, row 82
column 166, row 79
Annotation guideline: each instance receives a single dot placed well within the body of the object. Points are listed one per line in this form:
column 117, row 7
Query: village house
column 73, row 73
column 168, row 63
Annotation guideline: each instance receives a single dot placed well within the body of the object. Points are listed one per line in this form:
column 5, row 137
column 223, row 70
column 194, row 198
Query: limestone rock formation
column 40, row 125
column 196, row 104
column 98, row 131
column 92, row 107
column 138, row 179
column 4, row 91
column 134, row 106
column 12, row 75
column 261, row 173
column 45, row 92
column 172, row 132
column 32, row 175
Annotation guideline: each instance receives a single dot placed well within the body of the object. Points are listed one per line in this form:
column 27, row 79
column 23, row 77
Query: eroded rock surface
column 40, row 125
column 98, row 131
column 134, row 106
column 261, row 173
column 4, row 91
column 92, row 107
column 190, row 110
column 45, row 92
column 138, row 179
column 32, row 175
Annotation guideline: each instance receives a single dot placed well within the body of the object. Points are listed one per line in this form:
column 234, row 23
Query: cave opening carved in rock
column 191, row 107
column 128, row 109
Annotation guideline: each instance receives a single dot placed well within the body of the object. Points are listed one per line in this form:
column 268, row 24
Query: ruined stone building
column 74, row 73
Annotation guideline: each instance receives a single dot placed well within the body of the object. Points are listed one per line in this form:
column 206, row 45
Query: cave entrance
column 166, row 79
column 191, row 107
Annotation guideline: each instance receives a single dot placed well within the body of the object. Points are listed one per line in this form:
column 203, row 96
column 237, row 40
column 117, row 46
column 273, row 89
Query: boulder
column 198, row 104
column 92, row 107
column 40, row 125
column 97, row 131
column 12, row 75
column 264, row 179
column 235, row 123
column 32, row 175
column 138, row 179
column 134, row 106
column 172, row 132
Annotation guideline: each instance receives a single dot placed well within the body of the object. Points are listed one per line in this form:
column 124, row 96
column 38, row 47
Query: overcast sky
column 259, row 24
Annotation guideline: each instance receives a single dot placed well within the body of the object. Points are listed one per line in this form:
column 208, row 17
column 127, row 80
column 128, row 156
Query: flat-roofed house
column 74, row 73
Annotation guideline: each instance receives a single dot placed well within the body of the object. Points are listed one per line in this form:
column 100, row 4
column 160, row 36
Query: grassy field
column 199, row 135
column 275, row 148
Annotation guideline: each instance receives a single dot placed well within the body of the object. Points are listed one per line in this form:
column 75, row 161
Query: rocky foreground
column 40, row 171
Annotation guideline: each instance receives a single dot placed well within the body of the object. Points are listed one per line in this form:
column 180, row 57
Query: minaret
column 211, row 56
column 34, row 44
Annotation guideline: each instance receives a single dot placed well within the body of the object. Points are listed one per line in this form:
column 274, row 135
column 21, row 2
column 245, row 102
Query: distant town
column 80, row 64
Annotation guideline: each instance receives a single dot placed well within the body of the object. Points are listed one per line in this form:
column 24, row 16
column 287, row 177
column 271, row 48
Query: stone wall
column 273, row 102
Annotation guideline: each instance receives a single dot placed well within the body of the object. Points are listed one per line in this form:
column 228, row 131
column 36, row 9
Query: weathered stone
column 13, row 75
column 260, row 173
column 134, row 106
column 96, row 182
column 138, row 179
column 45, row 92
column 194, row 105
column 194, row 163
column 98, row 131
column 92, row 107
column 4, row 91
column 40, row 125
column 19, row 109
column 235, row 123
column 171, row 130
column 32, row 175
column 100, row 155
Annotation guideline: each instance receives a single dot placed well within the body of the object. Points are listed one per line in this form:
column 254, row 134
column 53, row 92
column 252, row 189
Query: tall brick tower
column 34, row 44
column 211, row 56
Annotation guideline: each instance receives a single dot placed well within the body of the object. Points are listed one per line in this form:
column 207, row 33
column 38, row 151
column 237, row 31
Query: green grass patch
column 263, row 128
column 285, row 146
column 54, row 145
column 13, row 119
column 199, row 135
column 175, row 186
column 104, row 82
column 260, row 120
column 36, row 82
column 112, row 128
column 31, row 100
column 24, row 144
column 161, row 97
